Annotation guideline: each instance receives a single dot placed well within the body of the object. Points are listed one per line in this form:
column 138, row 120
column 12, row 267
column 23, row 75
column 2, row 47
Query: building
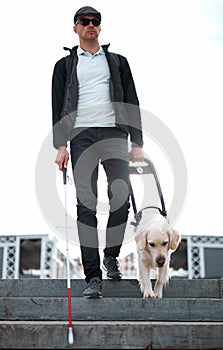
column 34, row 256
column 38, row 256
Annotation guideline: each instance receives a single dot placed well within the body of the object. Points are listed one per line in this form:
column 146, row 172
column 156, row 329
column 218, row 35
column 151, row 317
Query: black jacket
column 122, row 92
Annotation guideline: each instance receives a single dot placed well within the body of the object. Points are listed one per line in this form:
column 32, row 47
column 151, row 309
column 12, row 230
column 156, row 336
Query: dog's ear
column 174, row 239
column 141, row 240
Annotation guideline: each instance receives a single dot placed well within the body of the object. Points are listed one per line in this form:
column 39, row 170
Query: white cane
column 70, row 328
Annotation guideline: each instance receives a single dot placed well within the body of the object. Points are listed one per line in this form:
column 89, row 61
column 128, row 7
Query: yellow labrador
column 155, row 242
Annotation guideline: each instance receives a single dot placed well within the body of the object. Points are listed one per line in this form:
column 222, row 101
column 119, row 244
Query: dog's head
column 158, row 242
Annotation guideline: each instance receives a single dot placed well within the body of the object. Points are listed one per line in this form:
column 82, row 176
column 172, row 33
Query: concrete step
column 167, row 309
column 111, row 335
column 33, row 315
column 176, row 288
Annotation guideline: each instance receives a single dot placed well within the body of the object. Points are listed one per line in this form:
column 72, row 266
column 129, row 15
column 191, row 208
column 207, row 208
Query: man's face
column 87, row 30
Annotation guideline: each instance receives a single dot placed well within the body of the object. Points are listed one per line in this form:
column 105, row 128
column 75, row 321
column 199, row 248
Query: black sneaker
column 94, row 288
column 111, row 265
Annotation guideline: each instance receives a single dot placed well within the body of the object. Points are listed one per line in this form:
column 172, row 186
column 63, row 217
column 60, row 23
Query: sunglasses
column 85, row 21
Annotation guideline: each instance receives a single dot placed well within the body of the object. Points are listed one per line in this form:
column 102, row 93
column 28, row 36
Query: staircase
column 33, row 315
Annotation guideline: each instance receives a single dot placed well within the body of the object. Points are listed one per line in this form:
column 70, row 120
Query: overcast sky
column 175, row 50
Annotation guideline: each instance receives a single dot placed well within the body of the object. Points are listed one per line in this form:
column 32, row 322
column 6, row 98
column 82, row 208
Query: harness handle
column 148, row 169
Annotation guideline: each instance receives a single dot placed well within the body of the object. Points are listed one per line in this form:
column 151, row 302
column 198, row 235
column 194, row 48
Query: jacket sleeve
column 132, row 103
column 58, row 93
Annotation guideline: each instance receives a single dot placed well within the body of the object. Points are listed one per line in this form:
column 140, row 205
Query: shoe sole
column 114, row 278
column 93, row 296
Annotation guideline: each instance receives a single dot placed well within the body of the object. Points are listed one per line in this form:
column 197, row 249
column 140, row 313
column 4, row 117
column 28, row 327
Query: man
column 95, row 107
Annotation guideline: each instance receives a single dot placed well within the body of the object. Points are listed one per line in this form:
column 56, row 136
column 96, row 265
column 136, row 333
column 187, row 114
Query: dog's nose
column 160, row 261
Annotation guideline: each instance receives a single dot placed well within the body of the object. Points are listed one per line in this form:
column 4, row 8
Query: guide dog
column 155, row 242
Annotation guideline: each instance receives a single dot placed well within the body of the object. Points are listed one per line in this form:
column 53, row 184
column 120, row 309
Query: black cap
column 86, row 10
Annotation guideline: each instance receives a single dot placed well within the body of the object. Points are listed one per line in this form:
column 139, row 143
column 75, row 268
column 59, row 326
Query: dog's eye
column 152, row 244
column 164, row 243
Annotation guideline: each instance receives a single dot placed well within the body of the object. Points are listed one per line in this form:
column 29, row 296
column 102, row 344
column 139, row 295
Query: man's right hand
column 62, row 157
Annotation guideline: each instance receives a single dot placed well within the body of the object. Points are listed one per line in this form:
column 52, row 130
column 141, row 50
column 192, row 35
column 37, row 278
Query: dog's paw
column 146, row 290
column 148, row 293
column 158, row 293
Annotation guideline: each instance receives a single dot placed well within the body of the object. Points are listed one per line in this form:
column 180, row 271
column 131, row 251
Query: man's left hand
column 137, row 154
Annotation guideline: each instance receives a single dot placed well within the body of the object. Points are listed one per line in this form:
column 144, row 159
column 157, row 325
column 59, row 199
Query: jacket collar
column 74, row 49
